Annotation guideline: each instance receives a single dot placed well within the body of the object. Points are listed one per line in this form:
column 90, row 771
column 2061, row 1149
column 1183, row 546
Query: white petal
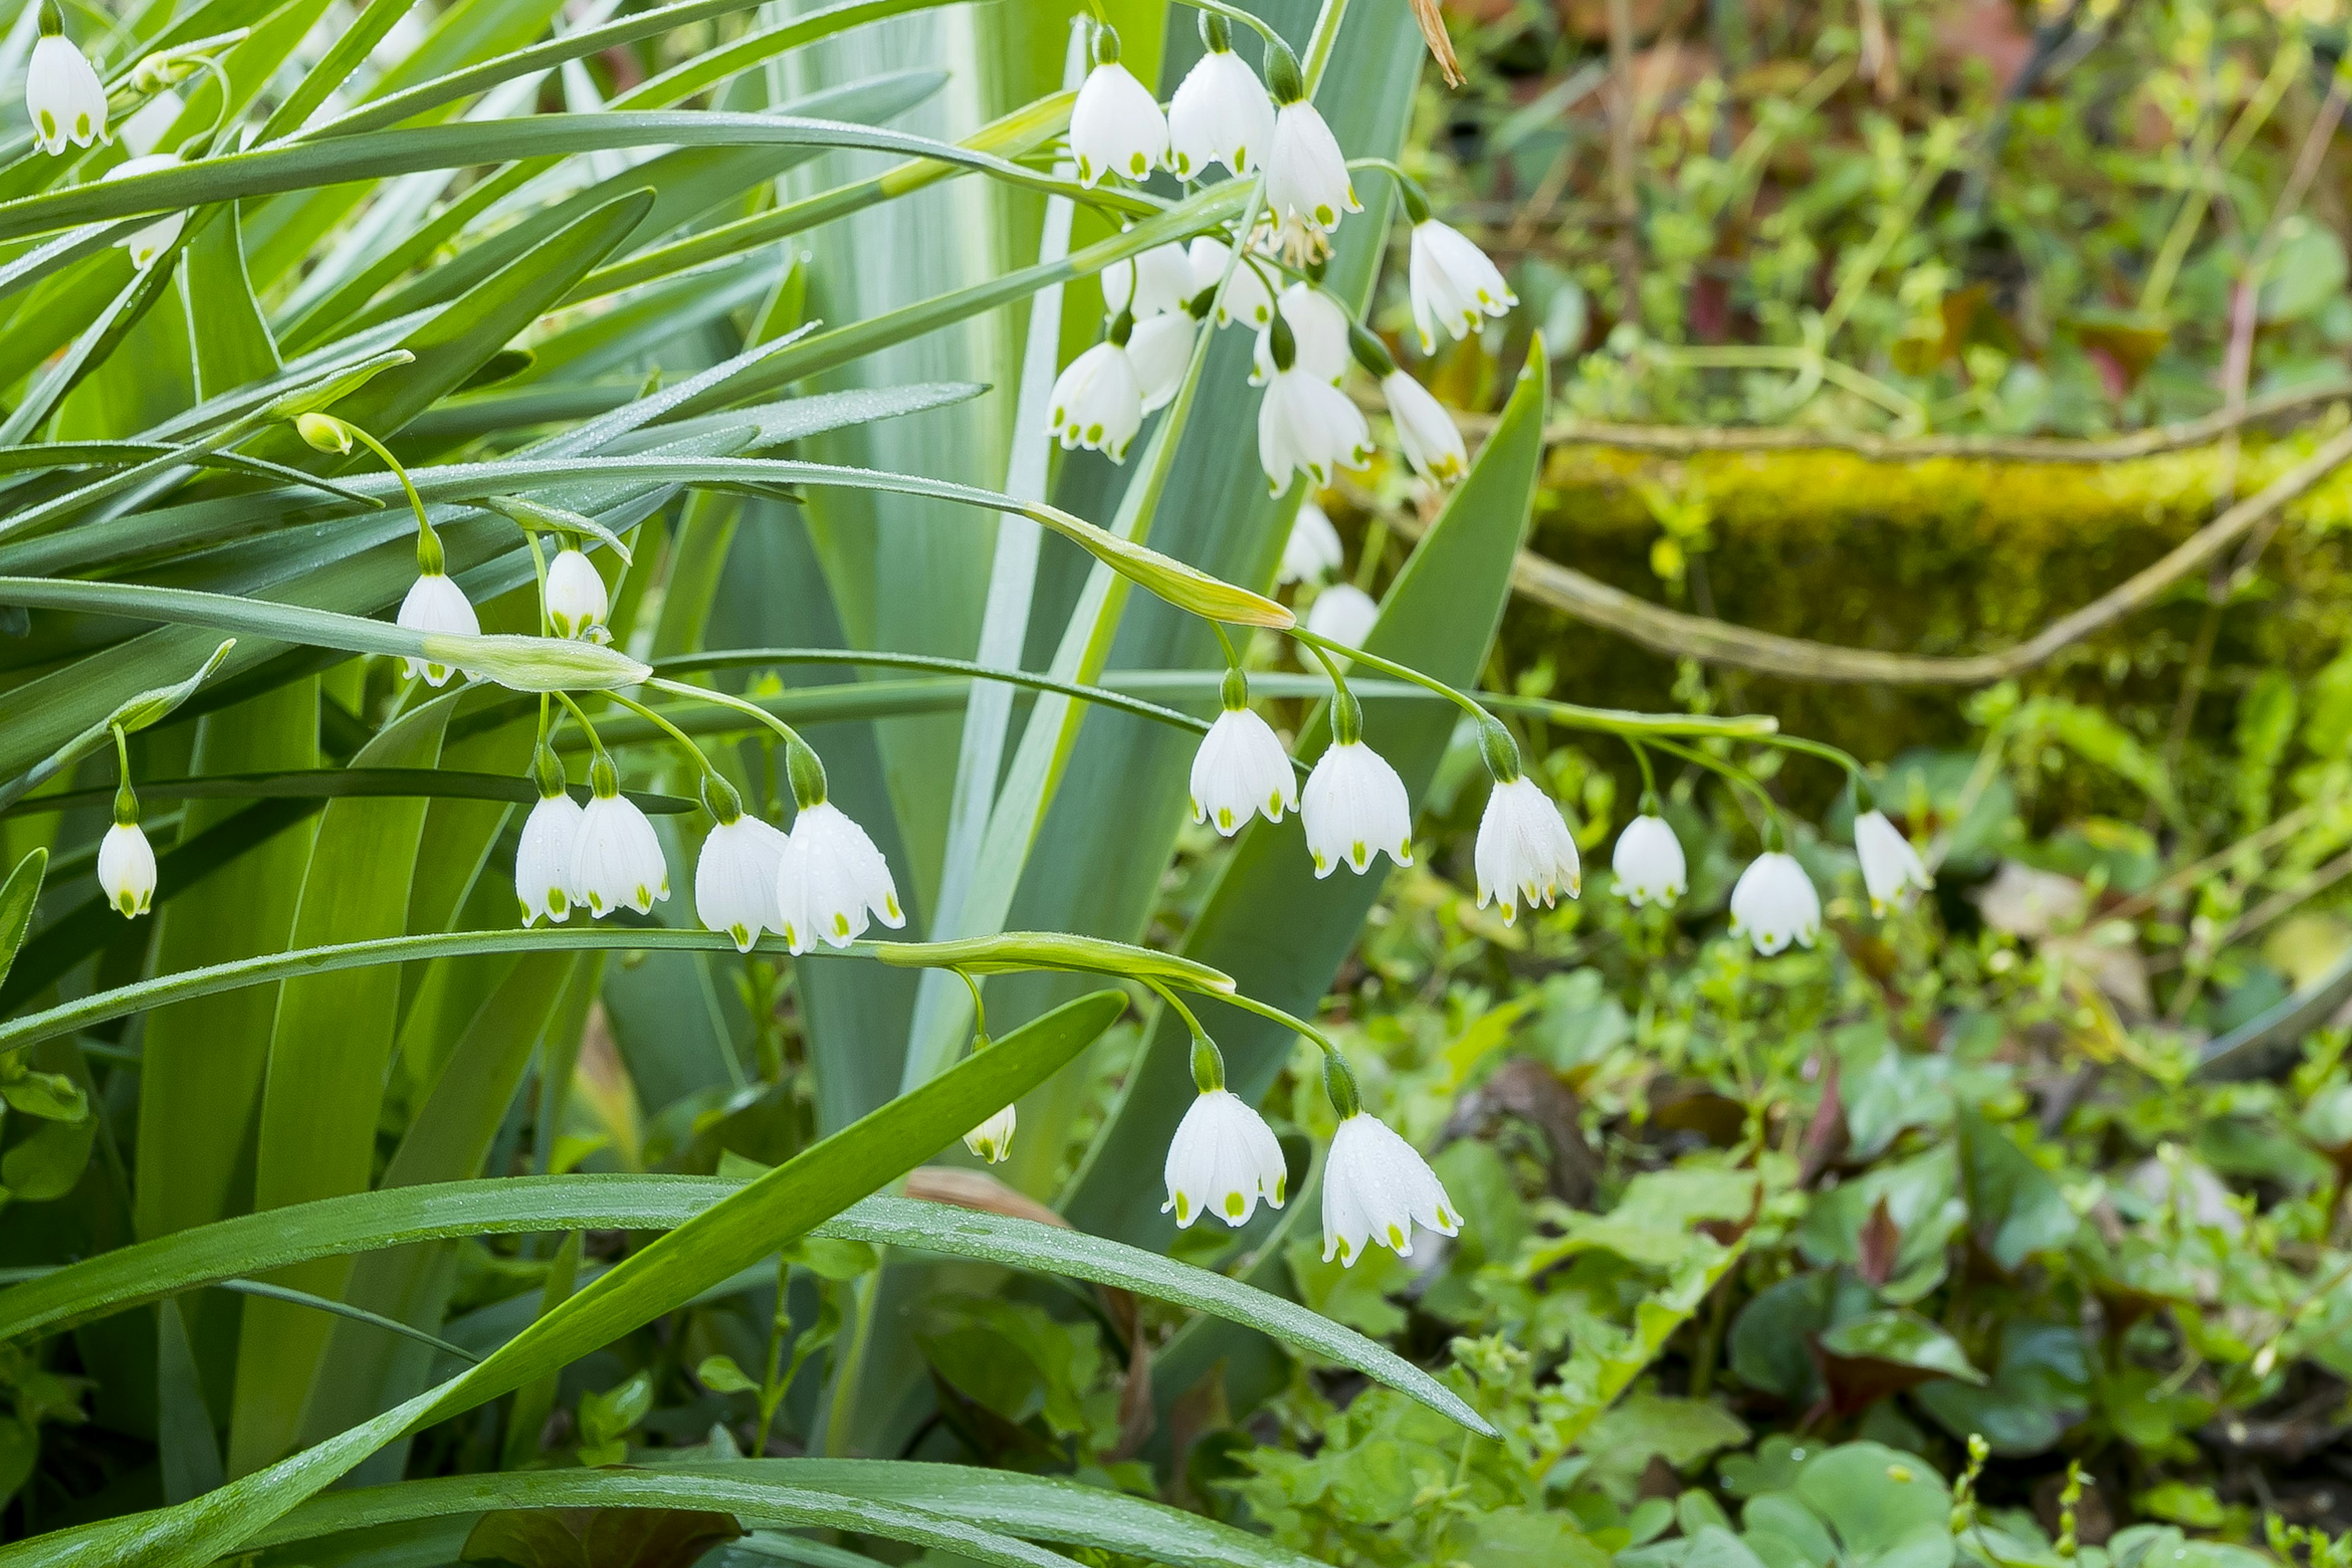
column 126, row 870
column 1244, row 297
column 1221, row 114
column 1098, row 401
column 576, row 598
column 544, row 880
column 1343, row 613
column 1355, row 809
column 1432, row 443
column 1306, row 425
column 1115, row 126
column 830, row 879
column 617, row 858
column 1523, row 848
column 64, row 95
column 1889, row 864
column 436, row 605
column 1774, row 904
column 1306, row 173
column 1318, row 329
column 1313, row 548
column 1452, row 283
column 1222, row 1160
column 735, row 879
column 1376, row 1188
column 992, row 1139
column 1241, row 767
column 1160, row 351
column 1164, row 274
column 1649, row 862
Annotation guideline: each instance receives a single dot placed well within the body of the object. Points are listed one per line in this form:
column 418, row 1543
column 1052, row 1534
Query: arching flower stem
column 1409, row 190
column 1257, row 25
column 1495, row 742
column 719, row 796
column 1338, row 1078
column 1208, row 1062
column 802, row 764
column 319, row 427
column 1737, row 775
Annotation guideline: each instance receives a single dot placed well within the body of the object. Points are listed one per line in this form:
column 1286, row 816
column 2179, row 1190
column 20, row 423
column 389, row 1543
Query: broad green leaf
column 17, row 897
column 231, row 342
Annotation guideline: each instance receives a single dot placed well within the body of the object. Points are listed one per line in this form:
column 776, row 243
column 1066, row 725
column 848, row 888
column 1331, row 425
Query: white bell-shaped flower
column 1432, row 442
column 577, row 601
column 1452, row 283
column 1221, row 114
column 992, row 1139
column 1305, row 425
column 1889, row 864
column 1244, row 297
column 1355, row 808
column 1152, row 284
column 436, row 605
column 1343, row 613
column 1773, row 903
column 1319, row 328
column 1524, row 850
column 1306, row 179
column 1098, row 401
column 126, row 870
column 830, row 877
column 64, row 95
column 735, row 879
column 544, row 880
column 617, row 858
column 1313, row 551
column 1115, row 126
column 1159, row 351
column 150, row 241
column 1376, row 1188
column 1649, row 863
column 1222, row 1160
column 1241, row 767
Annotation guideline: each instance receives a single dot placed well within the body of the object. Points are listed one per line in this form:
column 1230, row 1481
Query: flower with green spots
column 1376, row 1188
column 830, row 879
column 1355, row 809
column 1222, row 1160
column 1240, row 768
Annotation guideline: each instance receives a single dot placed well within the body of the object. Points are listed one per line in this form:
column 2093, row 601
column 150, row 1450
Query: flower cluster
column 1221, row 114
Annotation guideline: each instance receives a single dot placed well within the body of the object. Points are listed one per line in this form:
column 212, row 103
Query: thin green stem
column 1390, row 667
column 673, row 732
column 1822, row 750
column 1208, row 1062
column 979, row 1010
column 1321, row 42
column 126, row 802
column 1732, row 772
column 539, row 570
column 400, row 472
column 1235, row 14
column 1642, row 761
column 771, row 1394
column 729, row 699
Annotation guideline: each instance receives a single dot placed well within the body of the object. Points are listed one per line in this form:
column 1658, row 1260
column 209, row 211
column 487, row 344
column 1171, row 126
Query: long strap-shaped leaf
column 375, row 155
column 261, row 1243
column 738, row 1230
column 1044, row 1508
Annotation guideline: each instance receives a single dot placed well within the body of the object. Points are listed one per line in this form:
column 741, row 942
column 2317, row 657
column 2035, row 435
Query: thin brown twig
column 1681, row 635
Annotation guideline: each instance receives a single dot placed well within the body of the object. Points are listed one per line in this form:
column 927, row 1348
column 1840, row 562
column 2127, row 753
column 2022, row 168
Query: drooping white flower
column 64, row 95
column 1773, row 904
column 544, row 880
column 150, row 241
column 1115, row 126
column 436, row 605
column 1098, row 401
column 1649, row 862
column 1523, row 848
column 1159, row 351
column 1452, row 283
column 1313, row 551
column 1306, row 173
column 1432, row 443
column 735, row 879
column 1343, row 613
column 1241, row 767
column 1221, row 114
column 577, row 603
column 126, row 870
column 1889, row 864
column 1152, row 284
column 1318, row 330
column 829, row 878
column 1223, row 1158
column 1376, row 1188
column 1305, row 425
column 1244, row 297
column 992, row 1139
column 617, row 858
column 1355, row 808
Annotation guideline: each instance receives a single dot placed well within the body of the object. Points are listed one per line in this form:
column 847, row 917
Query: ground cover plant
column 812, row 783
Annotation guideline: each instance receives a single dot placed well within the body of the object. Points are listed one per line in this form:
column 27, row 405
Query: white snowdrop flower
column 149, row 241
column 1774, row 903
column 1354, row 808
column 992, row 1139
column 1115, row 126
column 576, row 601
column 1159, row 351
column 1452, row 283
column 1432, row 443
column 1305, row 425
column 435, row 604
column 1306, row 179
column 1221, row 114
column 1376, row 1188
column 1241, row 767
column 1318, row 331
column 544, row 880
column 1313, row 551
column 1649, row 862
column 1523, row 848
column 617, row 858
column 1244, row 297
column 1889, row 864
column 735, row 879
column 1098, row 401
column 126, row 870
column 1223, row 1158
column 64, row 95
column 1154, row 283
column 828, row 879
column 1343, row 613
